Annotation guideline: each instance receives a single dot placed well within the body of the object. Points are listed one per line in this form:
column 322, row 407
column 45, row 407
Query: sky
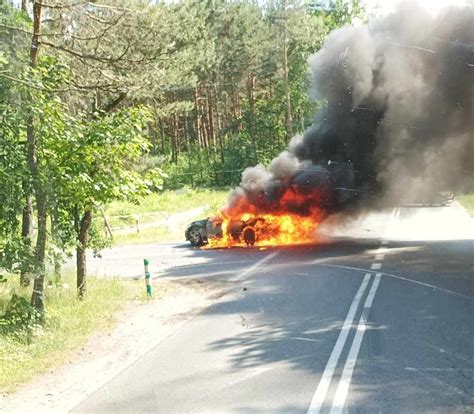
column 385, row 6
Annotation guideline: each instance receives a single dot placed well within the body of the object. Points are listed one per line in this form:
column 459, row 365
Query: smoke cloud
column 397, row 119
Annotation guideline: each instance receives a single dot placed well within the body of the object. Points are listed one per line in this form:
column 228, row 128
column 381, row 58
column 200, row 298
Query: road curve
column 375, row 319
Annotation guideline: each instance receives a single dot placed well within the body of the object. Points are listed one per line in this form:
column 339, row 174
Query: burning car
column 199, row 232
column 252, row 229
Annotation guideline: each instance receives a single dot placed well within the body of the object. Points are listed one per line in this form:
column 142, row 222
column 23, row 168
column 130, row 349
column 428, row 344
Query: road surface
column 377, row 317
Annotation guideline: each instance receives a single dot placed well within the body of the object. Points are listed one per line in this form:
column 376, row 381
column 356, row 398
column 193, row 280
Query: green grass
column 467, row 201
column 166, row 202
column 150, row 235
column 69, row 323
column 159, row 234
column 152, row 207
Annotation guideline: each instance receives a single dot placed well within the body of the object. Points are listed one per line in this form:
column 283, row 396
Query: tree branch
column 62, row 6
column 113, row 104
column 83, row 3
column 18, row 29
column 28, row 32
column 86, row 56
column 75, row 88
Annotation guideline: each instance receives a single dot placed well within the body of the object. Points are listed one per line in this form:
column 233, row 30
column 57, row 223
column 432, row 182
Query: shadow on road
column 231, row 261
column 290, row 315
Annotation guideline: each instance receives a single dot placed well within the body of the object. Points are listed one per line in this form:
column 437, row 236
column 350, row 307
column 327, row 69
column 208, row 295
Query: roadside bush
column 20, row 320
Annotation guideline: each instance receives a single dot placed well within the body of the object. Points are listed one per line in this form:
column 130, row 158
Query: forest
column 114, row 99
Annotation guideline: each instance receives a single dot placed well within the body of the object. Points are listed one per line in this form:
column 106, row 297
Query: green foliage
column 17, row 255
column 339, row 13
column 21, row 321
column 91, row 161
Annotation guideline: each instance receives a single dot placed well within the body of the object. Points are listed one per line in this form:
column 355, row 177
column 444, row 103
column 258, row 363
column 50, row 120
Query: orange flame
column 268, row 230
column 291, row 217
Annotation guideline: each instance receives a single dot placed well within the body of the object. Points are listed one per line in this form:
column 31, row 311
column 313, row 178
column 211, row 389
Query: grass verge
column 467, row 201
column 149, row 209
column 158, row 234
column 152, row 207
column 69, row 323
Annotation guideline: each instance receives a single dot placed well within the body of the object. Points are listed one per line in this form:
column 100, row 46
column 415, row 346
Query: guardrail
column 167, row 220
column 137, row 220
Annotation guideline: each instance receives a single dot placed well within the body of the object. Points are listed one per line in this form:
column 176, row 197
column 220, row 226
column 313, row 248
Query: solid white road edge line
column 345, row 381
column 254, row 267
column 320, row 394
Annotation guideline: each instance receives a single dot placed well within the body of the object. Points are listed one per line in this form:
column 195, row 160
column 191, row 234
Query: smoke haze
column 397, row 118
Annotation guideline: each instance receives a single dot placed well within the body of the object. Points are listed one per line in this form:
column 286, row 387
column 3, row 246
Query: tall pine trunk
column 288, row 115
column 251, row 118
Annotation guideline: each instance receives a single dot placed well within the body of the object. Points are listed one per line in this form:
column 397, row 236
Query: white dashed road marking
column 253, row 268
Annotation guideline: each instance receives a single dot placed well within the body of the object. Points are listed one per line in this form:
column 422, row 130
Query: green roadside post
column 149, row 287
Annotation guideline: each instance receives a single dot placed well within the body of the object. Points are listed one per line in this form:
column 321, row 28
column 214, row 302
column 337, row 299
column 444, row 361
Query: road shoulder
column 140, row 328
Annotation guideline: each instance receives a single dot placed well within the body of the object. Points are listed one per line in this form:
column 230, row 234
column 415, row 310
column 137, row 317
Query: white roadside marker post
column 149, row 287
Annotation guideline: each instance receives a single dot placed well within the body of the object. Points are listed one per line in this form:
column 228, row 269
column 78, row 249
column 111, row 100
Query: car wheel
column 195, row 236
column 249, row 236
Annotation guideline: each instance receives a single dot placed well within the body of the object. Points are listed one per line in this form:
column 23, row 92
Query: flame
column 286, row 217
column 268, row 230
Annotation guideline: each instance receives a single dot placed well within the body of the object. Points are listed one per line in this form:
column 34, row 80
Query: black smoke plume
column 397, row 120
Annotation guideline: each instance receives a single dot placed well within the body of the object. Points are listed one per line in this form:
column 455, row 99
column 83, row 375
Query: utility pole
column 289, row 118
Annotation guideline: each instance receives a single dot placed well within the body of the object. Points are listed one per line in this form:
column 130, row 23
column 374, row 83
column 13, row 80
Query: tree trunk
column 152, row 135
column 57, row 254
column 288, row 118
column 250, row 87
column 162, row 130
column 175, row 137
column 201, row 116
column 37, row 298
column 24, row 5
column 85, row 225
column 210, row 115
column 197, row 120
column 27, row 219
column 27, row 232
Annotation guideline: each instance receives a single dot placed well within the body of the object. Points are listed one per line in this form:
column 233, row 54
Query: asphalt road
column 377, row 317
